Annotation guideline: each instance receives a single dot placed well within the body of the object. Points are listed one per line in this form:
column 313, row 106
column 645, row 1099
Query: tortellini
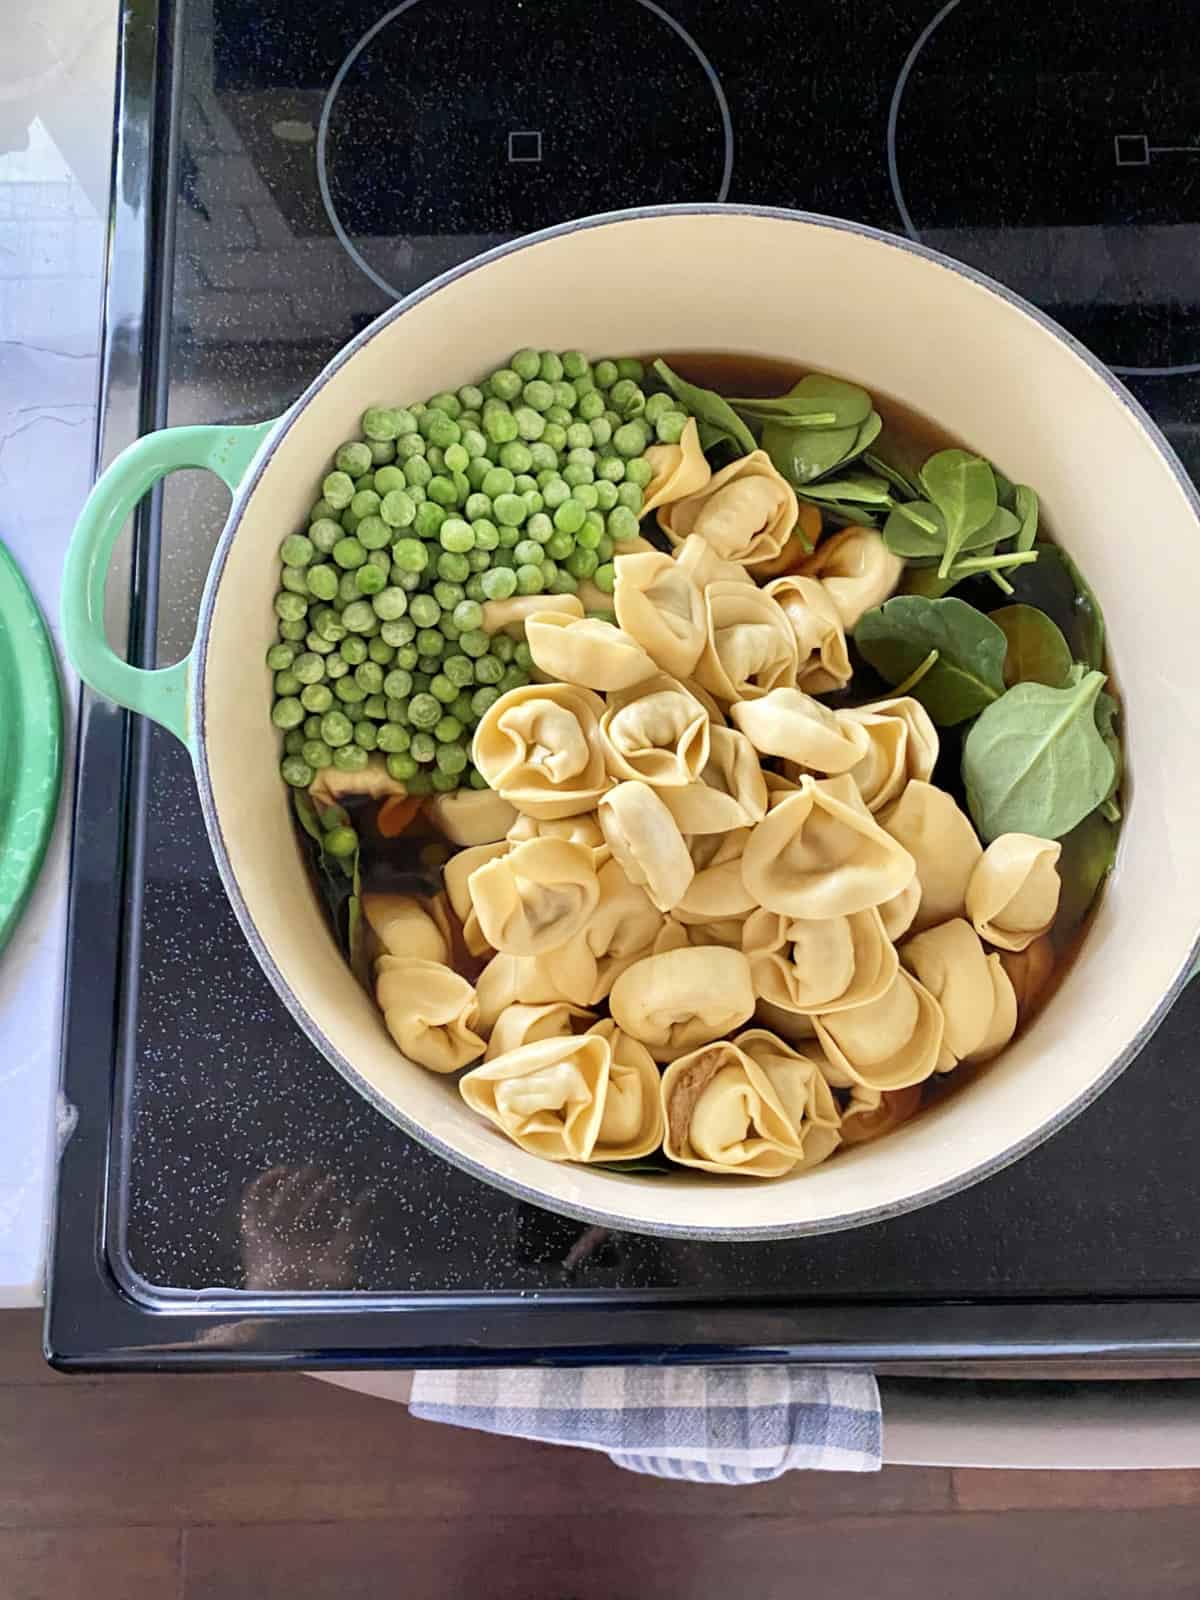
column 1012, row 894
column 683, row 998
column 520, row 1024
column 658, row 732
column 803, row 1092
column 678, row 469
column 897, row 913
column 471, row 816
column 902, row 744
column 430, row 1011
column 511, row 980
column 973, row 990
column 623, row 928
column 373, row 782
column 747, row 1108
column 827, row 965
column 632, row 1123
column 822, row 656
column 891, row 1043
column 791, row 724
column 871, row 1113
column 819, row 853
column 646, row 841
column 746, row 511
column 548, row 1096
column 856, row 570
column 403, row 927
column 582, row 828
column 718, row 891
column 456, row 876
column 939, row 837
column 749, row 648
column 586, row 651
column 540, row 747
column 510, row 616
column 703, row 565
column 730, row 792
column 659, row 607
column 534, row 897
column 1028, row 971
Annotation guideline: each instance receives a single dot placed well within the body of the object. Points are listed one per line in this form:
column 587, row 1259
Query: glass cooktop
column 326, row 159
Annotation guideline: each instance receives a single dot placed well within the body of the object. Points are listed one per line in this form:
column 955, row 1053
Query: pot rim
column 536, row 1197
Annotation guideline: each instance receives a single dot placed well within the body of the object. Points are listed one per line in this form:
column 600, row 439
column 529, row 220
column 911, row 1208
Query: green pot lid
column 30, row 742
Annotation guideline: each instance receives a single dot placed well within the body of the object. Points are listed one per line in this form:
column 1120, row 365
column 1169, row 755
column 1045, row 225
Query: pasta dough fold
column 430, row 1011
column 683, row 998
column 1012, row 894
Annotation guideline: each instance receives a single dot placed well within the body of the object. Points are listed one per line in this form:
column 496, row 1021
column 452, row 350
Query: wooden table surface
column 274, row 1487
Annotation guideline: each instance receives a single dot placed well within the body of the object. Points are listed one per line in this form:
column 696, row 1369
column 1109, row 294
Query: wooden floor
column 281, row 1488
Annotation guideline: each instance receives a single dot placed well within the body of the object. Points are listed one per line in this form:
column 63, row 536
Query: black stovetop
column 285, row 171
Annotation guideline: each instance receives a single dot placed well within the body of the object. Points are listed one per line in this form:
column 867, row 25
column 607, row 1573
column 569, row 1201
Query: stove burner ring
column 377, row 27
column 910, row 227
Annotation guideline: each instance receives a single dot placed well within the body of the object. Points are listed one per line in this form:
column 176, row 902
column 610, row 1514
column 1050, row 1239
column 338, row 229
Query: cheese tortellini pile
column 706, row 913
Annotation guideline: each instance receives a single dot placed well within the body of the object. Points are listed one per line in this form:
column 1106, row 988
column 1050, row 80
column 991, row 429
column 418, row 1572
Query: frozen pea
column 509, row 510
column 528, row 550
column 337, row 666
column 631, row 368
column 393, row 739
column 417, row 475
column 287, row 683
column 370, row 579
column 397, row 684
column 669, row 427
column 582, row 563
column 539, row 527
column 375, row 706
column 530, row 580
column 308, row 667
column 586, row 494
column 563, row 582
column 296, row 550
column 611, row 468
column 446, row 402
column 505, row 384
column 398, row 633
column 559, row 545
column 515, row 456
column 604, row 550
column 338, row 489
column 555, row 436
column 281, row 656
column 559, row 417
column 499, row 480
column 478, row 505
column 368, row 675
column 473, row 588
column 456, row 535
column 459, row 670
column 447, row 595
column 468, row 614
column 602, row 432
column 316, row 698
column 290, row 607
column 423, row 747
column 397, row 509
column 565, row 395
column 630, row 439
column 569, row 517
column 590, row 535
column 590, row 407
column 349, row 758
column 639, row 472
column 525, row 364
column 287, row 712
column 575, row 364
column 402, row 768
column 348, row 692
column 324, row 534
column 474, row 643
column 621, row 524
column 577, row 472
column 531, row 425
column 451, row 760
column 349, row 553
column 424, row 711
column 366, row 734
column 499, row 424
column 555, row 493
column 373, row 533
column 475, row 445
column 503, row 647
column 487, row 535
column 606, row 494
column 359, row 616
column 538, row 394
column 453, row 567
column 443, row 432
column 323, row 581
column 631, row 497
column 294, row 580
column 605, row 373
column 499, row 583
column 390, row 604
column 442, row 690
column 296, row 771
column 430, row 643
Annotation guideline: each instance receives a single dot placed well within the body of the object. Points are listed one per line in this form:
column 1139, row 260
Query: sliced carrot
column 396, row 814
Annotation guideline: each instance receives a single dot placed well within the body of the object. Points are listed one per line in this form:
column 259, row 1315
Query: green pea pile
column 522, row 485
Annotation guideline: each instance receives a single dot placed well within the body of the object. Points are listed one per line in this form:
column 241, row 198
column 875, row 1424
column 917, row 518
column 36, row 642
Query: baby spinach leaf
column 1035, row 761
column 1088, row 854
column 805, row 455
column 306, row 815
column 1037, row 651
column 842, row 514
column 1026, row 508
column 924, row 581
column 1006, row 489
column 651, row 1166
column 867, row 435
column 963, row 488
column 856, row 488
column 707, row 406
column 898, row 636
column 1055, row 585
column 816, row 401
column 1106, row 717
column 905, row 486
column 916, row 531
column 1000, row 526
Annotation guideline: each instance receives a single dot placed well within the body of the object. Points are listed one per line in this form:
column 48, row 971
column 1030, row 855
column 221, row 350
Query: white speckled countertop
column 56, row 95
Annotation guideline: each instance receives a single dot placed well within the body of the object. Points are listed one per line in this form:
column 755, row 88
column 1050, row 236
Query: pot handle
column 163, row 693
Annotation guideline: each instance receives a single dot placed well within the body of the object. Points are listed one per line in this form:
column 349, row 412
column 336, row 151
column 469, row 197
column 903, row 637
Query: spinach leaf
column 1006, row 489
column 842, row 514
column 857, row 488
column 901, row 483
column 1037, row 651
column 1088, row 854
column 898, row 636
column 1035, row 761
column 963, row 488
column 708, row 407
column 306, row 814
column 655, row 1165
column 1106, row 717
column 817, row 401
column 803, row 455
column 999, row 527
column 924, row 581
column 916, row 531
column 1055, row 585
column 1026, row 507
column 867, row 435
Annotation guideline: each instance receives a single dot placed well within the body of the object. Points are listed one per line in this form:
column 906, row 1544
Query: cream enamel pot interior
column 902, row 321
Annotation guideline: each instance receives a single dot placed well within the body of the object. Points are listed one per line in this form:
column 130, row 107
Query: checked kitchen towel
column 706, row 1424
